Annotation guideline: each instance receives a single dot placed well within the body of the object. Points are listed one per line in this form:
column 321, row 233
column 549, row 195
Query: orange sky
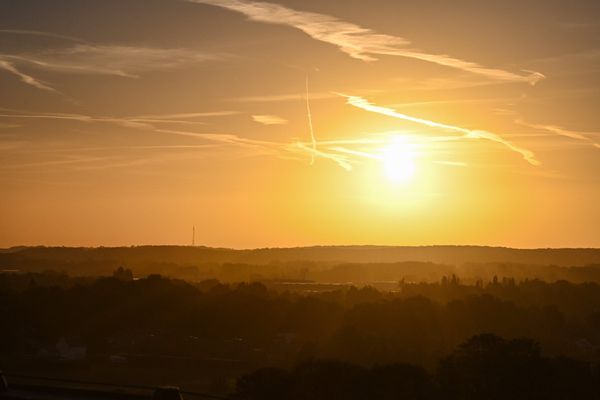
column 127, row 122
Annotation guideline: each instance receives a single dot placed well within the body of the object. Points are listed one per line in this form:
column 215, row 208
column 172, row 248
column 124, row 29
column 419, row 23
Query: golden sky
column 300, row 122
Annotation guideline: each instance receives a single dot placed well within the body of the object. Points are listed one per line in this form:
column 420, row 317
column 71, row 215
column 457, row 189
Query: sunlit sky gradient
column 428, row 122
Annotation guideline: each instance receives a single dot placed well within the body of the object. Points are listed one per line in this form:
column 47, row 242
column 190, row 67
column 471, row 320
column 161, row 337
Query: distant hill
column 104, row 259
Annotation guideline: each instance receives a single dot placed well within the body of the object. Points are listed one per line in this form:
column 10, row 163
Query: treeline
column 249, row 323
column 355, row 264
column 403, row 341
column 485, row 367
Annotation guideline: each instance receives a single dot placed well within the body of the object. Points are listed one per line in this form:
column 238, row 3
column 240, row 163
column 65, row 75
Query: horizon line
column 313, row 246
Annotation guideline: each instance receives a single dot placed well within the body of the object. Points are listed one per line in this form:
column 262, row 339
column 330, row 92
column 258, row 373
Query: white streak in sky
column 27, row 79
column 356, row 41
column 310, row 126
column 123, row 61
column 277, row 98
column 338, row 159
column 269, row 120
column 583, row 136
column 41, row 34
column 361, row 103
column 188, row 115
column 142, row 121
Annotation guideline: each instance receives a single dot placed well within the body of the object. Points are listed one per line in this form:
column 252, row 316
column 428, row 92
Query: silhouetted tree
column 489, row 367
column 123, row 274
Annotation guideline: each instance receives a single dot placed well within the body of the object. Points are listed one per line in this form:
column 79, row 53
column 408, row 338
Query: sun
column 398, row 161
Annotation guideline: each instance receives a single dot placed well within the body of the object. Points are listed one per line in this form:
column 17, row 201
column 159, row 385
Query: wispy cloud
column 4, row 126
column 76, row 161
column 339, row 159
column 255, row 147
column 344, row 152
column 269, row 120
column 188, row 115
column 41, row 34
column 252, row 147
column 87, row 149
column 480, row 100
column 285, row 97
column 27, row 79
column 141, row 121
column 10, row 144
column 364, row 104
column 180, row 118
column 356, row 41
column 313, row 141
column 64, row 161
column 583, row 136
column 124, row 61
column 571, row 63
column 81, row 118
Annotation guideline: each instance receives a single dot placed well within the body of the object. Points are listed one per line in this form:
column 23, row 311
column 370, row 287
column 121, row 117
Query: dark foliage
column 385, row 344
column 485, row 367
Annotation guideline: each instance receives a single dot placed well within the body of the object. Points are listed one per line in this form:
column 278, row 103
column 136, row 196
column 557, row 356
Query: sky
column 292, row 123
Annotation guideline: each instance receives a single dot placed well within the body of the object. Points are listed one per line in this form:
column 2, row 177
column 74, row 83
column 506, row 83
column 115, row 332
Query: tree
column 123, row 274
column 489, row 367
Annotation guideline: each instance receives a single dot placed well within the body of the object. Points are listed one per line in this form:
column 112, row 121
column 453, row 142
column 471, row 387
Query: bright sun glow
column 398, row 161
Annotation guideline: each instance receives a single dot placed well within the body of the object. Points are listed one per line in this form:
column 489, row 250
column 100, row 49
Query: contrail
column 562, row 132
column 339, row 159
column 27, row 79
column 357, row 41
column 310, row 125
column 44, row 34
column 364, row 104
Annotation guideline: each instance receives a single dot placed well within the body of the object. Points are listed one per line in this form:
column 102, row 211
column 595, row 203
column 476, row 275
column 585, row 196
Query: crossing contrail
column 310, row 125
column 364, row 104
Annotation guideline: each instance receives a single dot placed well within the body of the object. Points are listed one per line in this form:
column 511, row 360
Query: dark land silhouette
column 506, row 330
column 330, row 264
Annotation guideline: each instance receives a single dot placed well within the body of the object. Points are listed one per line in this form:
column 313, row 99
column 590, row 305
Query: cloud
column 48, row 149
column 188, row 115
column 479, row 100
column 124, row 61
column 310, row 125
column 66, row 161
column 352, row 152
column 348, row 152
column 583, row 136
column 23, row 77
column 356, row 41
column 141, row 121
column 285, row 97
column 225, row 138
column 126, row 122
column 82, row 162
column 340, row 160
column 41, row 34
column 361, row 103
column 251, row 147
column 343, row 152
column 254, row 147
column 180, row 118
column 269, row 120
